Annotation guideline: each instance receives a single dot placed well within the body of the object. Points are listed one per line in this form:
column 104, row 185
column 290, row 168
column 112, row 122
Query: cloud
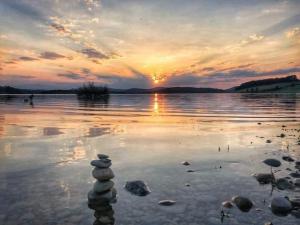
column 70, row 75
column 27, row 58
column 93, row 53
column 252, row 39
column 15, row 77
column 282, row 25
column 293, row 33
column 51, row 55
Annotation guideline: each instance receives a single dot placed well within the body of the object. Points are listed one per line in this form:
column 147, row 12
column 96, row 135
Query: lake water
column 46, row 148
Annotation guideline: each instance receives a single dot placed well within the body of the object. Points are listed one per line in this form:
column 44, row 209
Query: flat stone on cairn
column 103, row 192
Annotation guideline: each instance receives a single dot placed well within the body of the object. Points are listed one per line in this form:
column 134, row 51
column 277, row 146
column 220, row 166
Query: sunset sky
column 147, row 43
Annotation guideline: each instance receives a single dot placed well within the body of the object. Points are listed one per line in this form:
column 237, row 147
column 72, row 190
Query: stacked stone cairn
column 103, row 192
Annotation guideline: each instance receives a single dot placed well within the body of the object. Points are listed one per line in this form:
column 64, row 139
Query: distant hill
column 12, row 90
column 289, row 84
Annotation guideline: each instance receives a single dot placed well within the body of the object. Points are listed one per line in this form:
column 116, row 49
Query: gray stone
column 102, row 163
column 272, row 162
column 102, row 156
column 166, row 202
column 99, row 199
column 137, row 187
column 283, row 184
column 295, row 202
column 297, row 182
column 281, row 206
column 185, row 163
column 103, row 174
column 295, row 175
column 103, row 186
column 227, row 204
column 296, row 213
column 264, row 178
column 288, row 158
column 244, row 204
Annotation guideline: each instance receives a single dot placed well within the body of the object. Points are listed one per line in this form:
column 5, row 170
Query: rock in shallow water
column 100, row 199
column 297, row 182
column 103, row 174
column 137, row 187
column 102, row 163
column 103, row 186
column 227, row 204
column 102, row 156
column 166, row 202
column 264, row 178
column 288, row 158
column 244, row 204
column 295, row 175
column 283, row 184
column 185, row 163
column 272, row 162
column 281, row 206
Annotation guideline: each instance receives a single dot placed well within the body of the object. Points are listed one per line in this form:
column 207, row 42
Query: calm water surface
column 46, row 147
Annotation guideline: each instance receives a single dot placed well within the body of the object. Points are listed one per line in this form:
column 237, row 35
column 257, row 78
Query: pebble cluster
column 103, row 192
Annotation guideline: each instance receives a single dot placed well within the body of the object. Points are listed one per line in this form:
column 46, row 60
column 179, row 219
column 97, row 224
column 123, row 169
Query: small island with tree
column 92, row 92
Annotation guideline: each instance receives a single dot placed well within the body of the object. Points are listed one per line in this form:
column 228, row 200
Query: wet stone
column 103, row 186
column 103, row 174
column 166, row 202
column 288, row 158
column 185, row 163
column 272, row 162
column 244, row 204
column 97, row 199
column 281, row 206
column 283, row 184
column 227, row 204
column 102, row 163
column 102, row 156
column 295, row 175
column 264, row 178
column 297, row 182
column 295, row 202
column 137, row 187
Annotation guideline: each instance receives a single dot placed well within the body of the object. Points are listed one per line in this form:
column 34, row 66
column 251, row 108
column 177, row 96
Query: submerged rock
column 244, row 204
column 264, row 178
column 272, row 162
column 283, row 184
column 268, row 141
column 288, row 158
column 281, row 206
column 227, row 204
column 166, row 202
column 103, row 174
column 137, row 187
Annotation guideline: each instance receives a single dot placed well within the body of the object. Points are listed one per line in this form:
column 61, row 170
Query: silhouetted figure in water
column 103, row 194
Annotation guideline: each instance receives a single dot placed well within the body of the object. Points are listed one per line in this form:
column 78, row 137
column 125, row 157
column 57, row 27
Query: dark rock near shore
column 227, row 204
column 137, row 187
column 288, row 158
column 272, row 162
column 166, row 202
column 185, row 163
column 295, row 175
column 281, row 206
column 283, row 184
column 244, row 204
column 264, row 178
column 268, row 141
